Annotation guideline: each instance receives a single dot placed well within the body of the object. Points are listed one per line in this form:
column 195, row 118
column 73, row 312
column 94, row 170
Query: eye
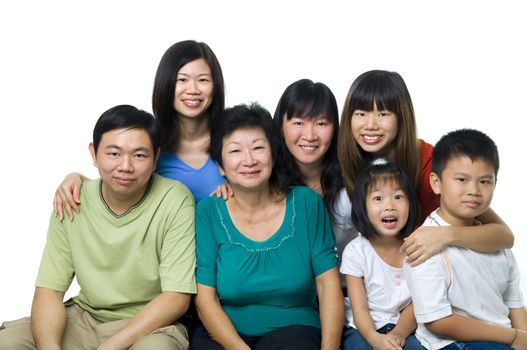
column 204, row 80
column 399, row 196
column 113, row 154
column 359, row 114
column 384, row 114
column 181, row 80
column 322, row 123
column 377, row 198
column 487, row 182
column 461, row 179
column 140, row 155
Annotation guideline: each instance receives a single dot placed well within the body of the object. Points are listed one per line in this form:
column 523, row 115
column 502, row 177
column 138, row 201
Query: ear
column 222, row 173
column 158, row 153
column 93, row 155
column 435, row 183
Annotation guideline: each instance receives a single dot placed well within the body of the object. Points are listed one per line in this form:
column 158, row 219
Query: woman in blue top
column 266, row 265
column 188, row 94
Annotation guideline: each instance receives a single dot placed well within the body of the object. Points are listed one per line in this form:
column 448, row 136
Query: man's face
column 125, row 160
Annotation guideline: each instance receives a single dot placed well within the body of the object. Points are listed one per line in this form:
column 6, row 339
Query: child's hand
column 425, row 242
column 224, row 190
column 520, row 342
column 387, row 342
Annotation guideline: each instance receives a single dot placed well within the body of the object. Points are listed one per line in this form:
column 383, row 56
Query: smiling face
column 194, row 89
column 247, row 160
column 466, row 188
column 387, row 207
column 126, row 161
column 374, row 130
column 308, row 139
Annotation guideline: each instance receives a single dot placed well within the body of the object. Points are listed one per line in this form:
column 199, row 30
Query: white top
column 342, row 226
column 481, row 285
column 385, row 286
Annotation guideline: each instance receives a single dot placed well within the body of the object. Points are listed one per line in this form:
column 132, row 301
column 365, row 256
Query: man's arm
column 48, row 318
column 162, row 311
column 464, row 328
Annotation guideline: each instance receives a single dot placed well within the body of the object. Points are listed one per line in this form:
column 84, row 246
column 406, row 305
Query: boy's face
column 125, row 160
column 466, row 189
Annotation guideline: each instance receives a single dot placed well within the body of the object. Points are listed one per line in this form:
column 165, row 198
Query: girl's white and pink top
column 385, row 286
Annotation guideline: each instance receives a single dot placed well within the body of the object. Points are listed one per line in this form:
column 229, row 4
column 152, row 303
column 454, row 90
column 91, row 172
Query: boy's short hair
column 469, row 143
column 126, row 117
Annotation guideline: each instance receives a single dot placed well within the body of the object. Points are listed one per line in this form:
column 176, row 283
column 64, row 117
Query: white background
column 63, row 63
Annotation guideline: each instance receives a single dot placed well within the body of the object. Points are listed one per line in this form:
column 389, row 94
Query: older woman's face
column 247, row 160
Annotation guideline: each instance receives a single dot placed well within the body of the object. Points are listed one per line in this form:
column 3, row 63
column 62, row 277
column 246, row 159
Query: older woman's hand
column 67, row 196
column 425, row 242
column 224, row 190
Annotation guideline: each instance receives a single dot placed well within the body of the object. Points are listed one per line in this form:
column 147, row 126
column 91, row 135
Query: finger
column 57, row 208
column 421, row 259
column 410, row 250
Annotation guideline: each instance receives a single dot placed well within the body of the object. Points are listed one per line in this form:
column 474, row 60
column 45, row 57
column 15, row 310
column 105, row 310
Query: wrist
column 515, row 335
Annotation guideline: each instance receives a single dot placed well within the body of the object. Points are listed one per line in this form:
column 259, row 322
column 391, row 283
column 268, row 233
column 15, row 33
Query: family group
column 229, row 228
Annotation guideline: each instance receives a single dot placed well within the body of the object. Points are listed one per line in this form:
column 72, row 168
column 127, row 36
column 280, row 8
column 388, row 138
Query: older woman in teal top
column 266, row 271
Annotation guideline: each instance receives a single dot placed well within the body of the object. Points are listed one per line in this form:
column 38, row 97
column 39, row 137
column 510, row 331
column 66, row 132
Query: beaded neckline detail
column 287, row 236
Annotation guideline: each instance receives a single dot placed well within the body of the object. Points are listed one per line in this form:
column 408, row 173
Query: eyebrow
column 144, row 149
column 199, row 75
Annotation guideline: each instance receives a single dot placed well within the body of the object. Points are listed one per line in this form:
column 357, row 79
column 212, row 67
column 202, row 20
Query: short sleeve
column 512, row 296
column 206, row 245
column 178, row 253
column 353, row 259
column 428, row 284
column 56, row 267
column 322, row 241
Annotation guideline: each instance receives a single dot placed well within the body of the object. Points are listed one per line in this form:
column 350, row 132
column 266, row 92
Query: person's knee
column 168, row 338
column 17, row 335
column 13, row 341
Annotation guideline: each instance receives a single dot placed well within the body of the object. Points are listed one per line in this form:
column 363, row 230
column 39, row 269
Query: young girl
column 385, row 211
column 378, row 121
column 188, row 94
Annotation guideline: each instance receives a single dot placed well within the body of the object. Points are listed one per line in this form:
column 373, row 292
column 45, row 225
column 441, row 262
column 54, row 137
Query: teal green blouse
column 266, row 285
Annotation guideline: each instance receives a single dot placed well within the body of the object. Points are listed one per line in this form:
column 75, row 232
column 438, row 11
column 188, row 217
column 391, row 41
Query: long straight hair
column 387, row 90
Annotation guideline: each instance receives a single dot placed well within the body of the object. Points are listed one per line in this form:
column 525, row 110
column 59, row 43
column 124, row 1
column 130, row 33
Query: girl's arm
column 331, row 302
column 427, row 241
column 67, row 195
column 362, row 317
column 406, row 324
column 215, row 320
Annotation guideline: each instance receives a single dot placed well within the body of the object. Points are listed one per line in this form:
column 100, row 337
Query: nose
column 371, row 122
column 193, row 87
column 126, row 164
column 248, row 159
column 309, row 132
column 474, row 189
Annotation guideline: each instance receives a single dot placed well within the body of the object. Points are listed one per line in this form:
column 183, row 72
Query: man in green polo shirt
column 131, row 248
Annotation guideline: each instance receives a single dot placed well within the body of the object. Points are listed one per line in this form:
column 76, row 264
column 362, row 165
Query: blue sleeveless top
column 201, row 182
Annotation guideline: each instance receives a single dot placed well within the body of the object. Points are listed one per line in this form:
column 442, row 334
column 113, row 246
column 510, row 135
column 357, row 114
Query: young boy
column 464, row 299
column 132, row 249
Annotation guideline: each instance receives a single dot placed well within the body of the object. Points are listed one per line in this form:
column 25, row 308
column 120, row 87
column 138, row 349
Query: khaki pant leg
column 17, row 335
column 174, row 337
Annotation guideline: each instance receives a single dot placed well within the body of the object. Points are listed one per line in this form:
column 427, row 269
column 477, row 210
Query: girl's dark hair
column 248, row 117
column 174, row 58
column 306, row 99
column 388, row 91
column 381, row 173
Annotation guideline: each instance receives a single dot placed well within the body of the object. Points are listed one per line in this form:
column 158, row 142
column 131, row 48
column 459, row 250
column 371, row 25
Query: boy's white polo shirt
column 481, row 285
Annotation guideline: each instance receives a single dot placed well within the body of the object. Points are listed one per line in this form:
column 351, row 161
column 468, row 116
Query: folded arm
column 162, row 311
